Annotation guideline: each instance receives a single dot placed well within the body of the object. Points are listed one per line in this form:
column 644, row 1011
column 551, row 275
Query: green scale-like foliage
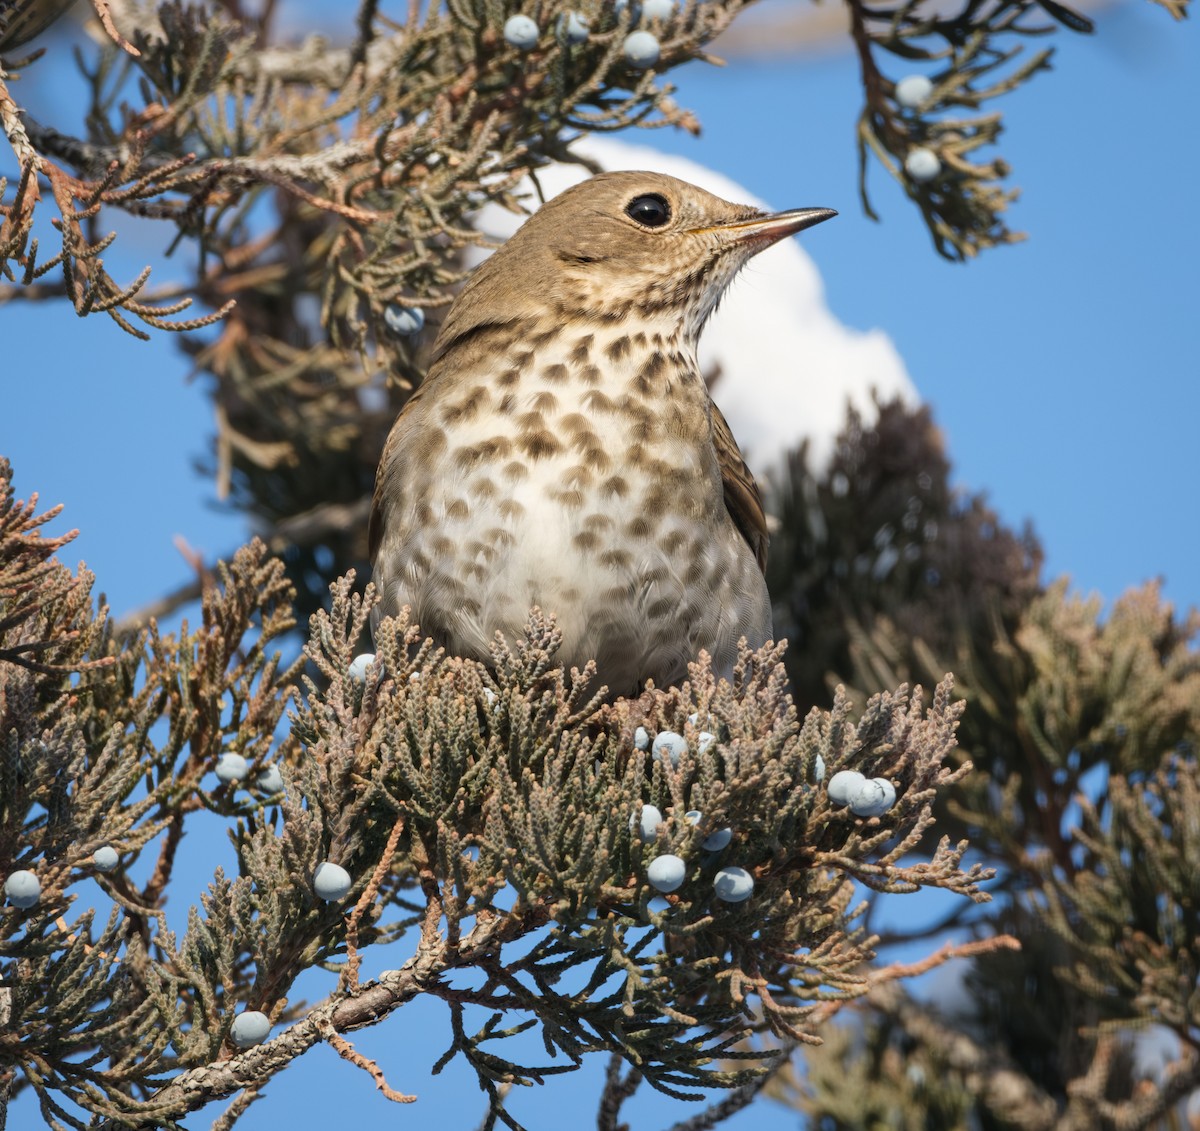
column 518, row 796
column 103, row 742
column 492, row 807
column 1082, row 724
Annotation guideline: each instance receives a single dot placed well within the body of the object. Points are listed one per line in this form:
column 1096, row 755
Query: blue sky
column 1063, row 371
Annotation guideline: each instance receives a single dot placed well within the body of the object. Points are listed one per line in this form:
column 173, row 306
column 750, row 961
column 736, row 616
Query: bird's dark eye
column 650, row 210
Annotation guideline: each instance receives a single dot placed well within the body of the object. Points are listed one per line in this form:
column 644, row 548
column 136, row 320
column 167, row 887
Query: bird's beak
column 766, row 230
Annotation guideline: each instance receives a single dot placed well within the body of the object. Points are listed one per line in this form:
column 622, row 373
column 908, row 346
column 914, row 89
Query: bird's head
column 620, row 245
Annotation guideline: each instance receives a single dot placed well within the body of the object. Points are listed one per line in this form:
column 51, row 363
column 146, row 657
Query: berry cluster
column 641, row 47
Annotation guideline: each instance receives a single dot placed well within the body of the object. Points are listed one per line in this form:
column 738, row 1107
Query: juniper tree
column 494, row 825
column 326, row 186
column 1082, row 729
column 471, row 807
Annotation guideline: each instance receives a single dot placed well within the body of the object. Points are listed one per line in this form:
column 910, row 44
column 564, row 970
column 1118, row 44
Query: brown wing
column 742, row 497
column 382, row 475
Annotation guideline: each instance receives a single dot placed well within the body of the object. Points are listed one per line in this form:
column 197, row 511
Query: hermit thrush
column 564, row 452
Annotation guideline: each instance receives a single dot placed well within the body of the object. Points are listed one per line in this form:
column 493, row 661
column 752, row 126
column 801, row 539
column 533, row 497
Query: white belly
column 590, row 504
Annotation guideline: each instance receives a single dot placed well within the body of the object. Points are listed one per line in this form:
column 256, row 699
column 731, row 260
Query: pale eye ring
column 649, row 209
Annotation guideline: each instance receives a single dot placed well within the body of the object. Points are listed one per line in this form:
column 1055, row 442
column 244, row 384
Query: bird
column 563, row 450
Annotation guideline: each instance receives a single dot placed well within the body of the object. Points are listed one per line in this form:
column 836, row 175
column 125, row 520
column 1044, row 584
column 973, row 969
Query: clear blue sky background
column 1063, row 371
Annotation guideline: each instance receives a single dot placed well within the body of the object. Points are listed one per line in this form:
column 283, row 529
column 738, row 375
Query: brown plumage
column 564, row 451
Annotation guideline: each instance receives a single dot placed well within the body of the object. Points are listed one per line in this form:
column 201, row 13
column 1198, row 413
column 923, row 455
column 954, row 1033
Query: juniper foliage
column 476, row 808
column 316, row 186
column 483, row 812
column 1083, row 727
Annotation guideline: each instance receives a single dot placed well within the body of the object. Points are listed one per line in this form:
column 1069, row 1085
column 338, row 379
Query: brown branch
column 305, row 529
column 435, row 956
column 252, row 171
column 14, row 130
column 106, row 21
column 349, row 979
column 348, row 1052
column 873, row 80
column 877, row 980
